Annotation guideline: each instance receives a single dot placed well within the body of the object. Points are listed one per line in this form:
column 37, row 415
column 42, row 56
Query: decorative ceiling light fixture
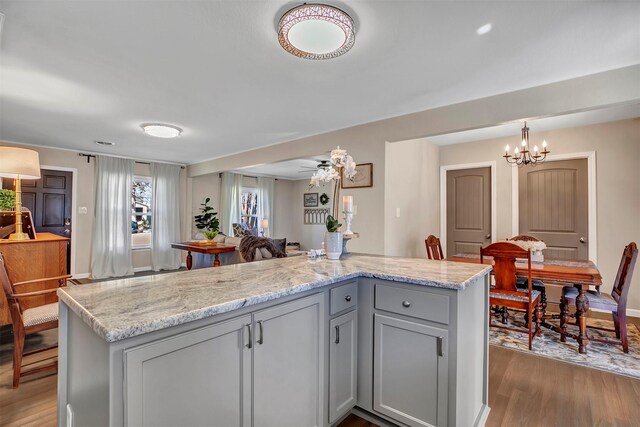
column 316, row 31
column 524, row 156
column 161, row 130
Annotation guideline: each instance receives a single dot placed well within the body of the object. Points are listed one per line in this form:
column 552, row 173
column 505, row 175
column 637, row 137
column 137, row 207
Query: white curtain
column 165, row 211
column 111, row 250
column 230, row 201
column 266, row 188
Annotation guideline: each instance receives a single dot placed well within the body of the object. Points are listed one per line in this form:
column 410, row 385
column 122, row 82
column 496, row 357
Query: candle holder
column 348, row 217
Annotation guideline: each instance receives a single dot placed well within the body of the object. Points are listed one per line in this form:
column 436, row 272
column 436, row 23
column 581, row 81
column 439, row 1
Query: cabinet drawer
column 344, row 297
column 423, row 305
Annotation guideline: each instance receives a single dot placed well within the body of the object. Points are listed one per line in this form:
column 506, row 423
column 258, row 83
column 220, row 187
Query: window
column 141, row 211
column 249, row 208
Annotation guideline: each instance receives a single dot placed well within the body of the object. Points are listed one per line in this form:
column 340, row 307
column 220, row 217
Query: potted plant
column 208, row 221
column 333, row 238
column 7, row 200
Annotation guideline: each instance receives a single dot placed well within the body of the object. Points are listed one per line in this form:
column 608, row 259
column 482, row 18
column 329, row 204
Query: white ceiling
column 540, row 125
column 72, row 72
column 288, row 169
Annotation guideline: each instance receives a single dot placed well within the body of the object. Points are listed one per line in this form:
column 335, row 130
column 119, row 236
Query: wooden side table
column 206, row 247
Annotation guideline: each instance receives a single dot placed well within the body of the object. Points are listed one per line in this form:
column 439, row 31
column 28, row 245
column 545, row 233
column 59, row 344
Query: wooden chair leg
column 529, row 322
column 564, row 316
column 616, row 324
column 539, row 314
column 622, row 320
column 18, row 347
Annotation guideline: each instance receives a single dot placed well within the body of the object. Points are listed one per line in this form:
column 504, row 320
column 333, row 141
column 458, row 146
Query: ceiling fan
column 322, row 164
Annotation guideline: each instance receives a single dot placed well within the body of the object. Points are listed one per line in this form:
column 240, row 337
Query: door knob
column 488, row 236
column 67, row 231
column 582, row 240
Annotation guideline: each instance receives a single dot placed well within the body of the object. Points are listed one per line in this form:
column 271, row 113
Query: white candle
column 347, row 203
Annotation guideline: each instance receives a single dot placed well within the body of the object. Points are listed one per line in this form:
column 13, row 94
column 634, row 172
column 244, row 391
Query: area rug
column 605, row 357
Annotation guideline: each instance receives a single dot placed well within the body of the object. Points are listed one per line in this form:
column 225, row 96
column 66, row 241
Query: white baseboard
column 81, row 276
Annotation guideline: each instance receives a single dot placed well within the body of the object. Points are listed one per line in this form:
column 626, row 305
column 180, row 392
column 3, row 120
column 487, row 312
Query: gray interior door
column 468, row 210
column 553, row 206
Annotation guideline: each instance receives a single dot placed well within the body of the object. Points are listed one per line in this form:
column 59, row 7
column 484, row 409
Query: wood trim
column 443, row 198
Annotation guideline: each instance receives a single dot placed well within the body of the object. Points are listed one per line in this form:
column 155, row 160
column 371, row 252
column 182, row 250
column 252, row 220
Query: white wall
column 412, row 186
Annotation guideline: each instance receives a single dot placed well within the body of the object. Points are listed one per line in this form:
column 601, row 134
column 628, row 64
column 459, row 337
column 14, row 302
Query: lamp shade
column 21, row 162
column 264, row 223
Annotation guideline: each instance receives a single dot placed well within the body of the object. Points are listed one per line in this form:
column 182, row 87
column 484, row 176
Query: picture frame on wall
column 310, row 200
column 362, row 179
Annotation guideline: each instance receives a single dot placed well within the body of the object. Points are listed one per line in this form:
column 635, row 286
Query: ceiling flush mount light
column 161, row 130
column 484, row 29
column 523, row 155
column 316, row 31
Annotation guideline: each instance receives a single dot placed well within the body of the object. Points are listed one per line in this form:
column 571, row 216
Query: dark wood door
column 553, row 206
column 468, row 210
column 49, row 200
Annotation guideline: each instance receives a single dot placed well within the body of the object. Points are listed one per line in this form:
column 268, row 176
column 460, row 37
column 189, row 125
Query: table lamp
column 264, row 224
column 19, row 163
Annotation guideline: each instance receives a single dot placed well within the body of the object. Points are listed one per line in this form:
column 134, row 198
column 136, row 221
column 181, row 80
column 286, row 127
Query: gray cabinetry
column 208, row 376
column 288, row 364
column 410, row 378
column 343, row 364
column 197, row 378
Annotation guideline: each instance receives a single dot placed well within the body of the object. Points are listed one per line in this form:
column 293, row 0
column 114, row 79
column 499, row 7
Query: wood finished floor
column 524, row 390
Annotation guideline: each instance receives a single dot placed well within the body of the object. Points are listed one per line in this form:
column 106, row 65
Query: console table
column 203, row 248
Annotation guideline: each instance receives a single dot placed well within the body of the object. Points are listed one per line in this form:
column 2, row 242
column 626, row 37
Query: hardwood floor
column 524, row 390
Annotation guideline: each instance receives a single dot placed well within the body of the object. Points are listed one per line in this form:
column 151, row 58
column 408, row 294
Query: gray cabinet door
column 410, row 377
column 288, row 364
column 343, row 364
column 199, row 378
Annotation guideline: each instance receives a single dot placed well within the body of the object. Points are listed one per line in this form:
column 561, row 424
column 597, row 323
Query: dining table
column 558, row 272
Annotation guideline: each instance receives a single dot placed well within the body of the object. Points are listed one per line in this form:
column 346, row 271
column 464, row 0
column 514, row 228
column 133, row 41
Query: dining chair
column 616, row 303
column 505, row 291
column 538, row 285
column 434, row 249
column 30, row 320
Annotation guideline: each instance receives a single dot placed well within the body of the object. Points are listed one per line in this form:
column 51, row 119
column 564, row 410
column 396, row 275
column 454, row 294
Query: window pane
column 141, row 205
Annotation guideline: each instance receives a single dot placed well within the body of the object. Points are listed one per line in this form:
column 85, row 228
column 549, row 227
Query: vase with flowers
column 340, row 167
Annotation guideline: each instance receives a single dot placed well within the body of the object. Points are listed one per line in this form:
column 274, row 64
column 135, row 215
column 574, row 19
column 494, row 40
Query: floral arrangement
column 342, row 165
column 531, row 245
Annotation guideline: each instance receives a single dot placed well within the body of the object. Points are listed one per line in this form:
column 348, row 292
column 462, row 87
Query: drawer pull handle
column 337, row 341
column 261, row 339
column 347, row 298
column 406, row 304
column 250, row 338
column 440, row 349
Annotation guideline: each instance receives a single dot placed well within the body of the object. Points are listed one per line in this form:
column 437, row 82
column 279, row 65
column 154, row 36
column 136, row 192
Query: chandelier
column 523, row 155
column 316, row 31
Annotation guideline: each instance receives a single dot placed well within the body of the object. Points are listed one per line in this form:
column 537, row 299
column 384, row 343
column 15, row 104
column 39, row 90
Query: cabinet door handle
column 347, row 298
column 406, row 304
column 261, row 339
column 249, row 344
column 439, row 345
column 337, row 341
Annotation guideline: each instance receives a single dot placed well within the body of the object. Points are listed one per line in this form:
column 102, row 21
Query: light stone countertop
column 124, row 308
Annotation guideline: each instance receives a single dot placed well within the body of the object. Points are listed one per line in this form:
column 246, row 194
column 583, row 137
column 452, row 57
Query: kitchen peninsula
column 282, row 342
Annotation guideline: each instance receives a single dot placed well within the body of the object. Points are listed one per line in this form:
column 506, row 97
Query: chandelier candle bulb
column 535, row 148
column 544, row 143
column 506, row 149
